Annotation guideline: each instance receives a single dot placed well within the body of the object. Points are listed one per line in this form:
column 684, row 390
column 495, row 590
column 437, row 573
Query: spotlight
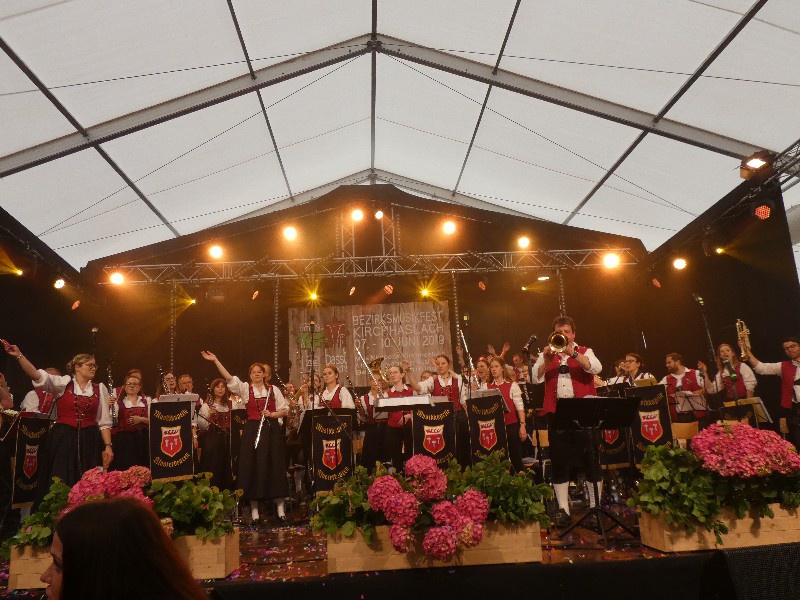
column 425, row 292
column 117, row 278
column 388, row 289
column 655, row 282
column 255, row 295
column 757, row 163
column 483, row 283
column 59, row 283
column 543, row 278
column 719, row 250
column 192, row 300
column 75, row 305
column 379, row 214
column 352, row 290
column 215, row 251
column 679, row 263
column 19, row 272
column 357, row 215
column 611, row 260
column 523, row 242
column 449, row 227
column 524, row 288
column 762, row 210
column 290, row 233
column 313, row 296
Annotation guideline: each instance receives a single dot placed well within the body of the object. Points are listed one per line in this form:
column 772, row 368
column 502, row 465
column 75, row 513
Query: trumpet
column 743, row 333
column 558, row 342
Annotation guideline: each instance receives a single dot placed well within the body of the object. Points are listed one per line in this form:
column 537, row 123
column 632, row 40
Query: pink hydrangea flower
column 401, row 538
column 428, row 480
column 445, row 513
column 382, row 490
column 401, row 509
column 473, row 504
column 440, row 542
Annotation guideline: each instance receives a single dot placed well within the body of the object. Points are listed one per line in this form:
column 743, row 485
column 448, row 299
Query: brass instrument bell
column 558, row 342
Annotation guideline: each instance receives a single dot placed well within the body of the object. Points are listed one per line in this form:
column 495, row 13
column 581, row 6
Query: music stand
column 755, row 404
column 689, row 402
column 590, row 414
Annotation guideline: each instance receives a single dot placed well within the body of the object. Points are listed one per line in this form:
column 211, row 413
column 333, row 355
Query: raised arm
column 24, row 363
column 210, row 356
column 412, row 381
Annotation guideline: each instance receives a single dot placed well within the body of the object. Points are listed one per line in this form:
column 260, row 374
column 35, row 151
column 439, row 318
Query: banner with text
column 171, row 448
column 412, row 331
column 487, row 428
column 652, row 425
column 434, row 432
column 30, row 443
column 332, row 448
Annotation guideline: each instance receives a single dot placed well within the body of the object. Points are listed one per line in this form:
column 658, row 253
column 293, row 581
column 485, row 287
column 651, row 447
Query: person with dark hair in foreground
column 116, row 549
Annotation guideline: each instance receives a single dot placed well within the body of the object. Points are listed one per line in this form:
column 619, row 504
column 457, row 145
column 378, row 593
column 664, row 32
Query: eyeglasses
column 132, row 384
column 89, row 365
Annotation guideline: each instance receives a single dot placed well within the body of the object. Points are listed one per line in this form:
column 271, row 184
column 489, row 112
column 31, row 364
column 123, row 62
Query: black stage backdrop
column 616, row 311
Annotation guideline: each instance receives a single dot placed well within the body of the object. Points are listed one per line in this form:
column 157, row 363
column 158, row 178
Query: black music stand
column 591, row 414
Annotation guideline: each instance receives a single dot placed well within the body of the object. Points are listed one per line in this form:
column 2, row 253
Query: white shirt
column 697, row 374
column 748, row 378
column 426, row 387
column 56, row 384
column 516, row 394
column 565, row 388
column 30, row 403
column 327, row 395
column 241, row 389
column 378, row 415
column 776, row 369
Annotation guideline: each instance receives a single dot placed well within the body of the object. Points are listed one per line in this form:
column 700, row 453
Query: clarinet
column 113, row 397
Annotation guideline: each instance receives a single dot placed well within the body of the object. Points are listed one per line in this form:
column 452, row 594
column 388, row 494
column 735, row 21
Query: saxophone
column 743, row 333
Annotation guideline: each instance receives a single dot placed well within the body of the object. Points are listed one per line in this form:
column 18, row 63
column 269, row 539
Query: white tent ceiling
column 101, row 65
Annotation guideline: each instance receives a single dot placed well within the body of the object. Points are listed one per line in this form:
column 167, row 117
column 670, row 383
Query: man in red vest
column 789, row 370
column 567, row 374
column 682, row 379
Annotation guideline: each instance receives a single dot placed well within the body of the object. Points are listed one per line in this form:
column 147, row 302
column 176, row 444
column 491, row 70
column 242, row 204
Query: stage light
column 313, row 296
column 192, row 300
column 59, row 283
column 215, row 251
column 424, row 291
column 524, row 288
column 388, row 289
column 117, row 278
column 762, row 210
column 19, row 272
column 757, row 163
column 482, row 285
column 352, row 290
column 719, row 250
column 357, row 215
column 523, row 242
column 75, row 305
column 290, row 233
column 543, row 278
column 679, row 263
column 449, row 227
column 655, row 282
column 255, row 295
column 611, row 260
column 379, row 214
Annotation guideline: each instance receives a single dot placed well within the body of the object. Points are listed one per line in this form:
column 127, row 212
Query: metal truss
column 366, row 266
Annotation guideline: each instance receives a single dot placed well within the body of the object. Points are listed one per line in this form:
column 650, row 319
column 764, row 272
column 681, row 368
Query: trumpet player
column 568, row 371
column 789, row 371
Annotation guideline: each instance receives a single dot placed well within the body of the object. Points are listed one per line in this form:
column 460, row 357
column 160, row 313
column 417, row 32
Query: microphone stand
column 535, row 416
column 699, row 299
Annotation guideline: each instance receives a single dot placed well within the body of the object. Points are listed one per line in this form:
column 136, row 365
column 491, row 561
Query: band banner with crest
column 238, row 421
column 652, row 425
column 171, row 447
column 613, row 448
column 412, row 331
column 487, row 428
column 31, row 434
column 434, row 432
column 332, row 449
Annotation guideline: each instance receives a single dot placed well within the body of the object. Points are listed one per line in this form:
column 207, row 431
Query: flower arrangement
column 728, row 466
column 193, row 508
column 442, row 511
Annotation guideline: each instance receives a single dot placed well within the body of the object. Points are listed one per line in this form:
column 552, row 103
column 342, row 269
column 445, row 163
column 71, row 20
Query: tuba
column 558, row 342
column 743, row 333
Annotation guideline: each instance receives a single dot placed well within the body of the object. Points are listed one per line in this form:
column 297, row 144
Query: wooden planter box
column 501, row 544
column 206, row 560
column 26, row 567
column 210, row 560
column 750, row 531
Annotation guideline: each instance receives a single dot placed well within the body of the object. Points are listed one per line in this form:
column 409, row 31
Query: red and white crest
column 331, row 453
column 31, row 462
column 434, row 438
column 610, row 436
column 171, row 442
column 651, row 425
column 487, row 435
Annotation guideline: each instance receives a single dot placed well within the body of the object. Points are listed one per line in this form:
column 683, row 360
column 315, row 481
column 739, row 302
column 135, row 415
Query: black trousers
column 399, row 443
column 793, row 424
column 375, row 445
column 514, row 446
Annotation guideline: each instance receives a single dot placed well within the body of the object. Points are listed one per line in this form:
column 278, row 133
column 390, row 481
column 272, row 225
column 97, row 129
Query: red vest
column 451, row 391
column 45, row 400
column 123, row 413
column 219, row 418
column 582, row 382
column 256, row 405
column 689, row 384
column 371, row 409
column 336, row 401
column 788, row 371
column 741, row 391
column 505, row 388
column 396, row 415
column 71, row 407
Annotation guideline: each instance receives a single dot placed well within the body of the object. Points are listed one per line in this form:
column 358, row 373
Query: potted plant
column 194, row 513
column 720, row 491
column 428, row 517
